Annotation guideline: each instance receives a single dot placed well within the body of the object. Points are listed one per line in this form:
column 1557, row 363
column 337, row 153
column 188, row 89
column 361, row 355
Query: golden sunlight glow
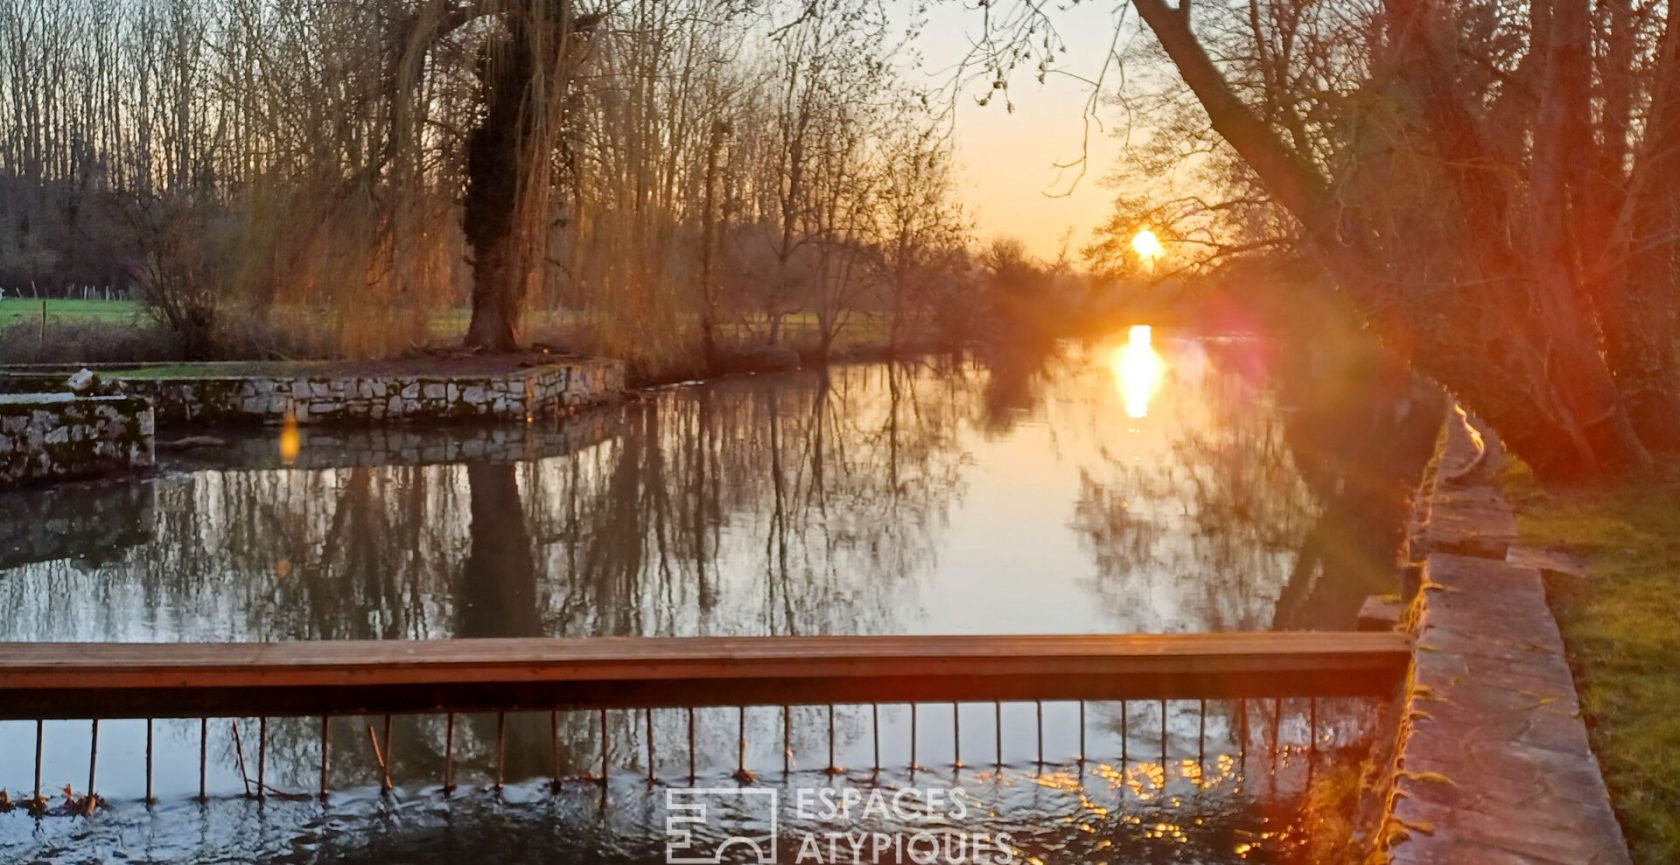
column 1137, row 370
column 288, row 439
column 1147, row 245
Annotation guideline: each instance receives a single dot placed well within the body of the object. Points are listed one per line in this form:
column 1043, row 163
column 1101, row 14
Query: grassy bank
column 23, row 310
column 121, row 332
column 1621, row 625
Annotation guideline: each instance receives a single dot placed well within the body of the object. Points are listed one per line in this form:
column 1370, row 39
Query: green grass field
column 18, row 310
column 446, row 325
column 1621, row 626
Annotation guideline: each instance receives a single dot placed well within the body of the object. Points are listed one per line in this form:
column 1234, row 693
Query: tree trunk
column 506, row 213
column 1639, row 313
column 708, row 245
column 496, row 592
column 496, row 171
column 1515, row 339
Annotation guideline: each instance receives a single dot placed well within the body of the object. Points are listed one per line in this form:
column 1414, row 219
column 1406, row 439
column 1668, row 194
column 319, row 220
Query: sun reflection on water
column 288, row 439
column 1137, row 370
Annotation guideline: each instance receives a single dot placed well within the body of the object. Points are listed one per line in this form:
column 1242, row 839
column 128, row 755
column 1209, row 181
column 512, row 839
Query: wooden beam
column 86, row 680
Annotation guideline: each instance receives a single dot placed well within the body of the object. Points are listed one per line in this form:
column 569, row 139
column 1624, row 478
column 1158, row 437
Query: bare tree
column 1475, row 181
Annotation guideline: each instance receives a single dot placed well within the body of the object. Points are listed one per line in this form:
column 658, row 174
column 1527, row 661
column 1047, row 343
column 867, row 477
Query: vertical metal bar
column 741, row 743
column 1242, row 730
column 1277, row 743
column 554, row 746
column 997, row 730
column 1277, row 725
column 787, row 740
column 912, row 740
column 1125, row 734
column 449, row 754
column 1081, row 758
column 1163, row 735
column 1312, row 739
column 606, row 749
column 39, row 736
column 501, row 750
column 262, row 759
column 1040, row 704
column 875, row 727
column 1201, row 734
column 832, row 769
column 691, row 745
column 956, row 736
column 1313, row 724
column 239, row 755
column 204, row 757
column 389, row 751
column 647, row 719
column 93, row 763
column 149, row 798
column 326, row 748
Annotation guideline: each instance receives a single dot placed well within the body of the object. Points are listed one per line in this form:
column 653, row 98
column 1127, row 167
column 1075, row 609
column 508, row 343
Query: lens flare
column 1137, row 370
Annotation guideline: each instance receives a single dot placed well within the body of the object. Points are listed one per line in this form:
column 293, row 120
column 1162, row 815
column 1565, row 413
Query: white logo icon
column 688, row 810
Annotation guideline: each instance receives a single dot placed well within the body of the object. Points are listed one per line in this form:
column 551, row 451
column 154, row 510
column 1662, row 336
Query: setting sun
column 1147, row 245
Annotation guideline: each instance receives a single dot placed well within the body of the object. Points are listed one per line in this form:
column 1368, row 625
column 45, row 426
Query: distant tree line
column 666, row 177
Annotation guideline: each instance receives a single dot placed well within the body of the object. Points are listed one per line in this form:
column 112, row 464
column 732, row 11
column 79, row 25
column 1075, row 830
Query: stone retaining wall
column 55, row 436
column 512, row 396
column 1492, row 765
column 207, row 394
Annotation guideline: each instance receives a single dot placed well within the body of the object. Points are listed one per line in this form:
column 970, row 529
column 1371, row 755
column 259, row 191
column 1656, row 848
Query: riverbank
column 79, row 338
column 1612, row 585
column 1493, row 763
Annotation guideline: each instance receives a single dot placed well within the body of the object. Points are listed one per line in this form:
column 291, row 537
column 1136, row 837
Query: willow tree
column 1495, row 191
column 526, row 61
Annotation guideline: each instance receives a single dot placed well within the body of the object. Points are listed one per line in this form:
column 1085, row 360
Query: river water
column 1135, row 484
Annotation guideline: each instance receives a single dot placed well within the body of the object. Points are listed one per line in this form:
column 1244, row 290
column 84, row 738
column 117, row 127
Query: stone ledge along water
column 49, row 434
column 1493, row 765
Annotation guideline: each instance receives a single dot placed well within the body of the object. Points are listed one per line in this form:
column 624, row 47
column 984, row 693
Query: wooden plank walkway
column 131, row 680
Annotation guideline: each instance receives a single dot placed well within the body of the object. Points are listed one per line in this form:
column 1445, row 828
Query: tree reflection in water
column 1263, row 487
column 1260, row 486
column 1291, row 460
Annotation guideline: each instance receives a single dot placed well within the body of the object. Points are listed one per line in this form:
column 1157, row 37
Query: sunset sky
column 1008, row 175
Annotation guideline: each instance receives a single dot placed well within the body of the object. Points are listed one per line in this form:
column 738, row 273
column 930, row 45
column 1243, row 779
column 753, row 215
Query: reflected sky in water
column 1138, row 486
column 1141, row 484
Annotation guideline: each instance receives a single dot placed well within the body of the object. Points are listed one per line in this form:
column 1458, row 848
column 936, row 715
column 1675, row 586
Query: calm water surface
column 1191, row 485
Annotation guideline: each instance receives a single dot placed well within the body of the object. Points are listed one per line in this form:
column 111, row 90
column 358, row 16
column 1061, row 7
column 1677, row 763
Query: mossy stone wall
column 360, row 399
column 56, row 436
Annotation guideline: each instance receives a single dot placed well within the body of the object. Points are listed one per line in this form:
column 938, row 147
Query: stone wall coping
column 57, row 398
column 337, row 392
column 1492, row 765
column 346, row 375
column 283, row 369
